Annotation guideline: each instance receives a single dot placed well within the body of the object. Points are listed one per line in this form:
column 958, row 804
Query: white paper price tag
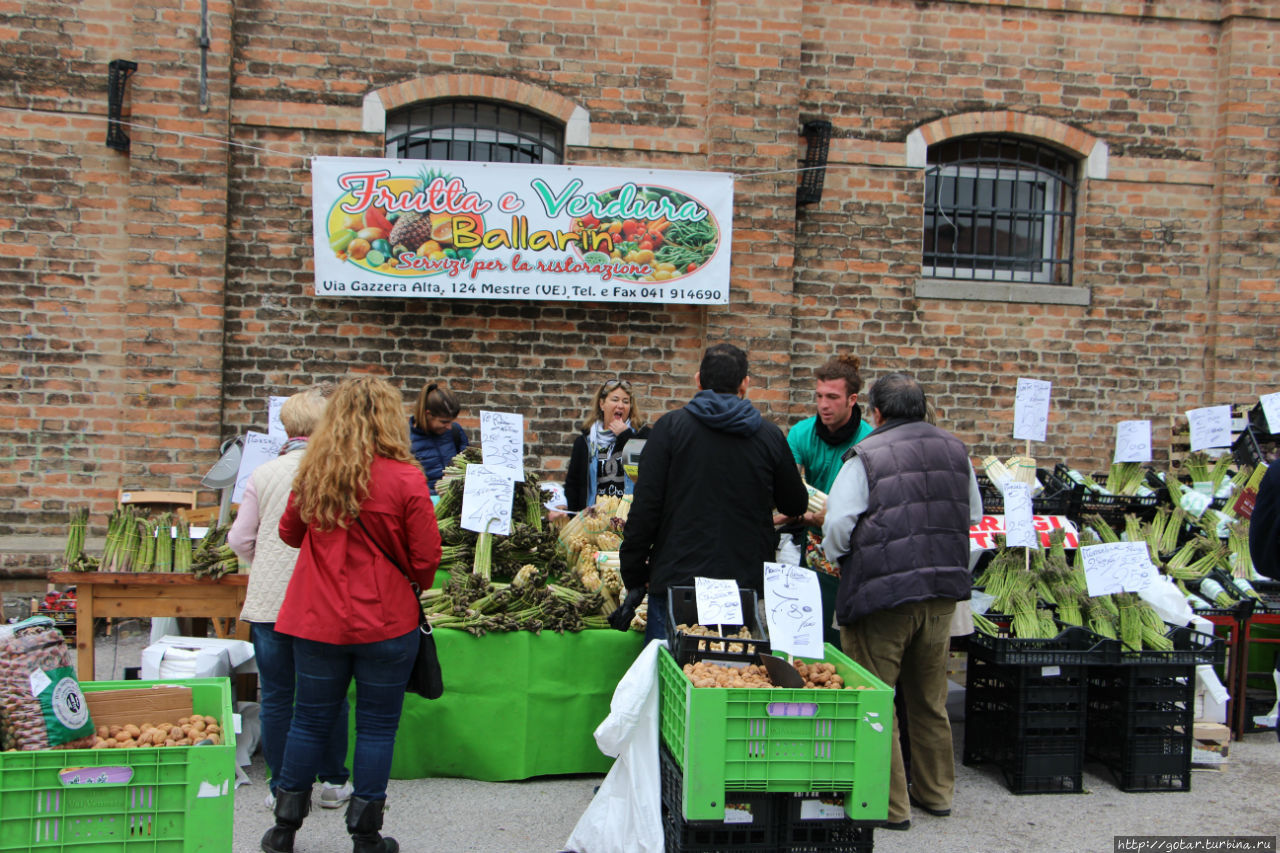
column 1031, row 409
column 1133, row 441
column 1117, row 567
column 719, row 602
column 793, row 609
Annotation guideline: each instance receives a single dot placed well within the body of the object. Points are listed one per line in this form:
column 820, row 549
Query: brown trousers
column 906, row 648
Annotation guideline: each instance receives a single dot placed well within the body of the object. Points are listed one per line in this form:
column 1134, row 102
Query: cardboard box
column 1210, row 744
column 159, row 704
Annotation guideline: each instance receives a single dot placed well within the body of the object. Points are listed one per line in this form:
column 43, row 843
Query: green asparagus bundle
column 164, row 544
column 73, row 558
column 182, row 552
column 146, row 546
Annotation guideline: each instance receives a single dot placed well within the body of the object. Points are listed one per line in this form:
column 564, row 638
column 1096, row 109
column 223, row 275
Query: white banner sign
column 984, row 533
column 460, row 230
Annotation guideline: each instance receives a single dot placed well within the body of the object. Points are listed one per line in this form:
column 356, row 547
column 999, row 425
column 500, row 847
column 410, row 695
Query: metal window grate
column 481, row 131
column 999, row 208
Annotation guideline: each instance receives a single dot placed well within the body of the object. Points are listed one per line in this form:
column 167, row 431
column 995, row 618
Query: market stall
column 150, row 594
column 515, row 705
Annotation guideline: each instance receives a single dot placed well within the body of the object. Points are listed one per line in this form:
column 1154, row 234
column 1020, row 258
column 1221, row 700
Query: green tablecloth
column 515, row 705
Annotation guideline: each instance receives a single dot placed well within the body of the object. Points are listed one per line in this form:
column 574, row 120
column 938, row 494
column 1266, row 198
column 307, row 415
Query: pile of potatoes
column 707, row 674
column 196, row 730
column 815, row 675
column 704, row 631
column 819, row 675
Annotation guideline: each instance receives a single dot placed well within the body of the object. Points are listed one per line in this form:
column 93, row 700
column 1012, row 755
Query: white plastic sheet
column 625, row 816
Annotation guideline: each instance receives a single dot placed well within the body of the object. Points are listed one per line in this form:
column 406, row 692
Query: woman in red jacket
column 360, row 512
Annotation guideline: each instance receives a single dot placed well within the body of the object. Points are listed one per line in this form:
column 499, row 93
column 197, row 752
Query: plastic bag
column 625, row 816
column 40, row 698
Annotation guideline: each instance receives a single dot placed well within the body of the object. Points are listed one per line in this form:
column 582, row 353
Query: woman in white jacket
column 254, row 536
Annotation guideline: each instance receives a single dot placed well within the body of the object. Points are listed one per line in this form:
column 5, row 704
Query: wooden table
column 134, row 594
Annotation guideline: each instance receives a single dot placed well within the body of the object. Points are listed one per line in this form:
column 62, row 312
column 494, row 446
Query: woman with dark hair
column 434, row 435
column 612, row 418
column 361, row 515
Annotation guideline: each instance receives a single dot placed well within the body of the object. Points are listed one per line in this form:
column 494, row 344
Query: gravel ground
column 537, row 816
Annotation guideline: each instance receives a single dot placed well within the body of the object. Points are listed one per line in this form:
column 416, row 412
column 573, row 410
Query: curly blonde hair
column 364, row 419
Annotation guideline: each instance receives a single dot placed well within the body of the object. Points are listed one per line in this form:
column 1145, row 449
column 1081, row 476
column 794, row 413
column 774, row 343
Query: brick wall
column 151, row 302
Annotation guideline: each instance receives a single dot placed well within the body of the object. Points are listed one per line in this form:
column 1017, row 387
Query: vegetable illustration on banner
column 446, row 229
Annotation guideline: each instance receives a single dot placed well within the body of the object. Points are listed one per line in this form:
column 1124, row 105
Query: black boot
column 364, row 820
column 291, row 808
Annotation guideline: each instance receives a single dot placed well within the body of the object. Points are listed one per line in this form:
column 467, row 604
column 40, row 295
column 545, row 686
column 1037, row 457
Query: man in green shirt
column 818, row 444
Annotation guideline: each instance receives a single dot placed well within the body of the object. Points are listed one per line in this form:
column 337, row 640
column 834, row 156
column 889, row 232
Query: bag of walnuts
column 41, row 704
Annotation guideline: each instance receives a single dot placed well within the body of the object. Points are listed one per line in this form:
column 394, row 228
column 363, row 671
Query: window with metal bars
column 482, row 131
column 999, row 208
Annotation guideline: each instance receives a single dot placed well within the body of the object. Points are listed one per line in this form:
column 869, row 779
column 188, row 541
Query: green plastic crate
column 775, row 739
column 176, row 800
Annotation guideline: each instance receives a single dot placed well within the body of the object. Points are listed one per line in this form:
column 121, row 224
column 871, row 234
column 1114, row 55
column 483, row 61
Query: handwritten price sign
column 1133, row 441
column 719, row 602
column 1020, row 531
column 1031, row 409
column 1117, row 567
column 793, row 609
column 1210, row 427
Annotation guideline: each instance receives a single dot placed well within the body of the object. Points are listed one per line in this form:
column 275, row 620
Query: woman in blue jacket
column 434, row 435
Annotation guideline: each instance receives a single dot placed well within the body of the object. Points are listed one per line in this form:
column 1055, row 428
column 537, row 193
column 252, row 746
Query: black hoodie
column 710, row 477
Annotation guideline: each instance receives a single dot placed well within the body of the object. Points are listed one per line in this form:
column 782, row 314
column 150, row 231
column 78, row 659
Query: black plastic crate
column 1258, row 702
column 992, row 497
column 1053, row 499
column 754, row 814
column 1074, row 646
column 1044, row 764
column 1254, row 447
column 1111, row 508
column 1030, row 721
column 1149, row 759
column 681, row 836
column 1189, row 647
column 682, row 609
column 1026, row 689
column 816, row 823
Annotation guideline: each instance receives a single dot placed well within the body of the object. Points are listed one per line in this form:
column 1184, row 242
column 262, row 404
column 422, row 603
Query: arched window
column 999, row 208
column 483, row 131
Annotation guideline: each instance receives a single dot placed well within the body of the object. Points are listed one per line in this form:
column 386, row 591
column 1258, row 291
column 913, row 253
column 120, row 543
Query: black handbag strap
column 417, row 590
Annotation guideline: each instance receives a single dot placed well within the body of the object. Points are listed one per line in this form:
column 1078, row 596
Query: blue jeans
column 381, row 672
column 655, row 626
column 273, row 652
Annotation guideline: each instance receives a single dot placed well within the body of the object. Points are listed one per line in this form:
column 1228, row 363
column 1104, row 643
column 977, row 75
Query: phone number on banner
column 605, row 292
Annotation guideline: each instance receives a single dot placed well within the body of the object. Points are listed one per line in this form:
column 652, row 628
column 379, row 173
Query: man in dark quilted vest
column 898, row 519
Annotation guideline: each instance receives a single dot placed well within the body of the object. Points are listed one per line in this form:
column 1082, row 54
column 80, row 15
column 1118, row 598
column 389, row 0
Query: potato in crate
column 779, row 739
column 691, row 642
column 171, row 799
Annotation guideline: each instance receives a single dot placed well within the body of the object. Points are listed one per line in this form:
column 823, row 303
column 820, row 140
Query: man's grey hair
column 898, row 396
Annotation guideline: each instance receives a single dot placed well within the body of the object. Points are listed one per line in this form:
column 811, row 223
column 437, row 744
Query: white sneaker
column 335, row 796
column 271, row 802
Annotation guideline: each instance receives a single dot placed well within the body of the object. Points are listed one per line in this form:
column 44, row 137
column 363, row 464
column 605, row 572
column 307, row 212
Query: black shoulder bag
column 425, row 679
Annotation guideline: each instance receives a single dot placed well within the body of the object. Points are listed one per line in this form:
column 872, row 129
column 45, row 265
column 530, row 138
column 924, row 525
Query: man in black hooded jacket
column 710, row 476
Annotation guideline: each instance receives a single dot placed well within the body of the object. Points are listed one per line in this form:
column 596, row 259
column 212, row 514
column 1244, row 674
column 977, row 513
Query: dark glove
column 620, row 619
